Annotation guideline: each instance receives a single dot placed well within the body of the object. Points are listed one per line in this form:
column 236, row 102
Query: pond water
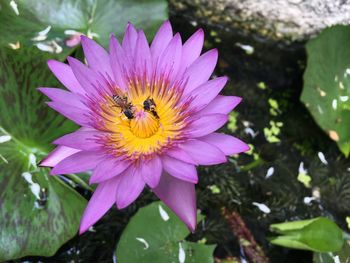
column 269, row 78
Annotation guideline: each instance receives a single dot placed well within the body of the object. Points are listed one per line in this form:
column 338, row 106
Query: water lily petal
column 161, row 40
column 87, row 78
column 63, row 96
column 206, row 92
column 100, row 202
column 130, row 187
column 221, row 104
column 78, row 162
column 143, row 62
column 107, row 169
column 201, row 70
column 226, row 143
column 129, row 40
column 179, row 196
column 65, row 75
column 171, row 58
column 181, row 155
column 206, row 124
column 96, row 56
column 57, row 155
column 78, row 115
column 203, row 153
column 179, row 169
column 116, row 59
column 192, row 48
column 151, row 171
column 83, row 140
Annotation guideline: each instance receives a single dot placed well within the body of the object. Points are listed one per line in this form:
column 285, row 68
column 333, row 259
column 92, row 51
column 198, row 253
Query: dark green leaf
column 150, row 238
column 326, row 91
column 95, row 18
column 38, row 213
column 343, row 256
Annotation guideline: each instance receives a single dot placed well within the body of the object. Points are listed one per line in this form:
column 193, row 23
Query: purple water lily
column 148, row 116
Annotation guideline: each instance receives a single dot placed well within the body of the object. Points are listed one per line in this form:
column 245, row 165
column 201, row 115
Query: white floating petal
column 14, row 6
column 5, row 138
column 45, row 31
column 269, row 172
column 35, row 188
column 182, row 254
column 344, row 98
column 322, row 158
column 143, row 241
column 308, row 199
column 28, row 177
column 263, row 208
column 163, row 214
column 334, row 104
column 32, row 160
column 302, row 170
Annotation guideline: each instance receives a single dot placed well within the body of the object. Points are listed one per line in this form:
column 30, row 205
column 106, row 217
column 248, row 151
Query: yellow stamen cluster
column 145, row 133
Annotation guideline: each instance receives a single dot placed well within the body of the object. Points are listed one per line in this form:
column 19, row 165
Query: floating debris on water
column 250, row 132
column 232, row 121
column 303, row 177
column 309, row 199
column 262, row 207
column 274, row 108
column 214, row 189
column 15, row 46
column 333, row 135
column 249, row 50
column 42, row 35
column 341, row 85
column 269, row 172
column 322, row 93
column 272, row 132
column 50, row 46
column 322, row 158
column 194, row 23
column 261, row 85
column 143, row 241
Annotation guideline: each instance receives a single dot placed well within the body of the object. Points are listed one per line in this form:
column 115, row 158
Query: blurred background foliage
column 294, row 114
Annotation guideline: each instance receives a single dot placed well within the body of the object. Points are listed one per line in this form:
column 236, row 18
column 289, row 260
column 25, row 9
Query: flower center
column 144, row 124
column 145, row 120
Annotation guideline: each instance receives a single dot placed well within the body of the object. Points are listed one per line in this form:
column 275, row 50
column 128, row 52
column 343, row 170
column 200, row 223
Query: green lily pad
column 156, row 234
column 340, row 256
column 319, row 234
column 22, row 20
column 326, row 91
column 38, row 212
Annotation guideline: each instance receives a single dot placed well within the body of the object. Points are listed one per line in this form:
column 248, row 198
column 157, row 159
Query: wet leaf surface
column 326, row 91
column 38, row 212
column 159, row 240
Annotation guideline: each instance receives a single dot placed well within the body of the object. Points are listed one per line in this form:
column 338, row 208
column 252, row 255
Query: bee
column 125, row 106
column 150, row 105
